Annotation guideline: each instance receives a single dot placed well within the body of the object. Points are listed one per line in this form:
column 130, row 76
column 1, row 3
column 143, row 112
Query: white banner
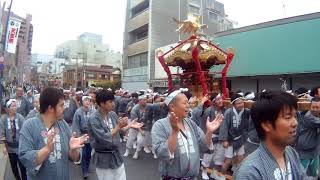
column 12, row 35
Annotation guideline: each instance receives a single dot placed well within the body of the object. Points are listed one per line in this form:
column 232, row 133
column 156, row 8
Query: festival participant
column 70, row 107
column 79, row 125
column 132, row 103
column 36, row 109
column 23, row 106
column 178, row 141
column 124, row 100
column 217, row 157
column 307, row 143
column 315, row 92
column 46, row 142
column 151, row 110
column 92, row 94
column 233, row 132
column 78, row 97
column 274, row 116
column 159, row 112
column 252, row 141
column 104, row 127
column 30, row 98
column 10, row 126
column 197, row 110
column 138, row 112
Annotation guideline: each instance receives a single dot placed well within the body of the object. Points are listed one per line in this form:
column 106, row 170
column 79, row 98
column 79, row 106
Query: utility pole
column 83, row 70
column 76, row 78
column 4, row 44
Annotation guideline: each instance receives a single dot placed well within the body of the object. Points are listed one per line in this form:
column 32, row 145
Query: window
column 194, row 9
column 91, row 75
column 138, row 60
column 140, row 8
column 213, row 16
column 139, row 34
column 144, row 59
column 142, row 35
column 104, row 76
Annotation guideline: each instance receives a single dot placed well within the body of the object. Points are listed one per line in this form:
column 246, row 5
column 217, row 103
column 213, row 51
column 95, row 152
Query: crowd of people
column 272, row 140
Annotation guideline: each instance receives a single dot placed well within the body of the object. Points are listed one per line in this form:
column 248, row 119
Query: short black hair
column 268, row 106
column 301, row 90
column 135, row 95
column 78, row 89
column 235, row 96
column 213, row 96
column 49, row 97
column 314, row 91
column 104, row 96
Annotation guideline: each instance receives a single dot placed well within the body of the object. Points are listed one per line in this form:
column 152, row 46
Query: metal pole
column 179, row 17
column 83, row 71
column 4, row 46
column 202, row 14
column 76, row 85
column 6, row 29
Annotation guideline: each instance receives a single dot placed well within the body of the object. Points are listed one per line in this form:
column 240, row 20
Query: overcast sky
column 56, row 21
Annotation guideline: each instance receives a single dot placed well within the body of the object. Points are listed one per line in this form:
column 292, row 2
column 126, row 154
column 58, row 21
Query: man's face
column 79, row 96
column 13, row 107
column 239, row 105
column 218, row 102
column 180, row 106
column 318, row 93
column 19, row 92
column 86, row 102
column 108, row 105
column 143, row 101
column 30, row 94
column 66, row 95
column 93, row 97
column 158, row 99
column 315, row 108
column 284, row 131
column 58, row 110
column 193, row 102
column 36, row 103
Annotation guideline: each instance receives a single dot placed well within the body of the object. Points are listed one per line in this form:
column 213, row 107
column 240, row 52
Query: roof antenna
column 284, row 8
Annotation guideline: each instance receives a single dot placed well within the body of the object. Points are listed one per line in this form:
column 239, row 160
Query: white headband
column 142, row 97
column 171, row 96
column 237, row 99
column 8, row 104
column 66, row 91
column 250, row 96
column 85, row 97
column 218, row 96
column 79, row 92
column 184, row 89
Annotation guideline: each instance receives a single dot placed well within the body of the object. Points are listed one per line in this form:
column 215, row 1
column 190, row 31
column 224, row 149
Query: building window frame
column 194, row 6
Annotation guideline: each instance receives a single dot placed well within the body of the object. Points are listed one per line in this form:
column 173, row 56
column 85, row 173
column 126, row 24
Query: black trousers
column 14, row 161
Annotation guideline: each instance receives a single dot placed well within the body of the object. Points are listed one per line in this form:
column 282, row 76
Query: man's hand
column 5, row 152
column 174, row 120
column 50, row 140
column 122, row 122
column 205, row 99
column 135, row 125
column 215, row 124
column 76, row 143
